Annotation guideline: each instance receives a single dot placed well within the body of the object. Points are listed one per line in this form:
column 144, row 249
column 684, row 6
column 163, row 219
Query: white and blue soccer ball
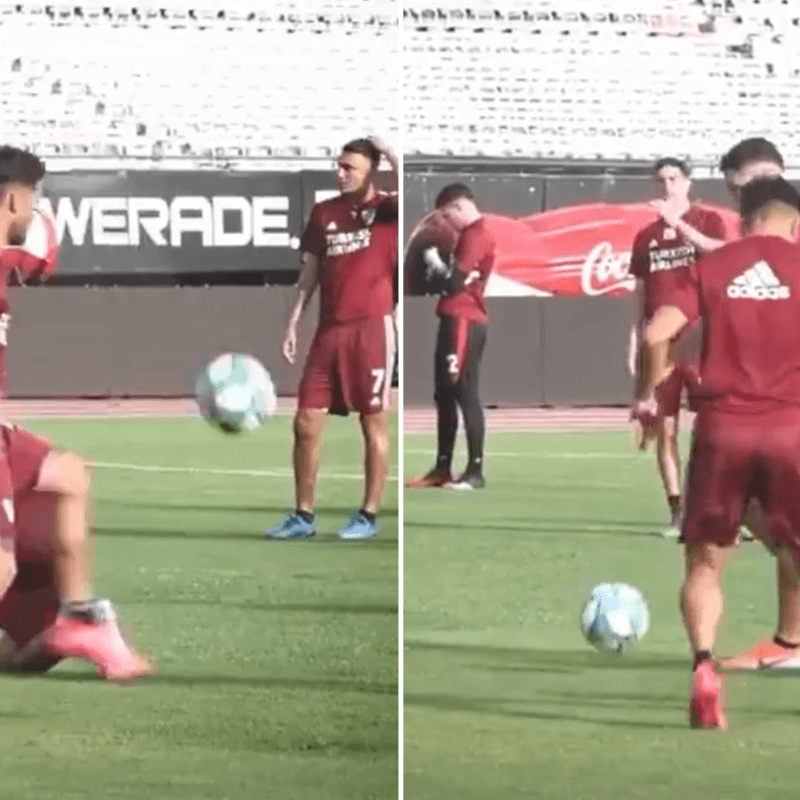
column 614, row 618
column 235, row 393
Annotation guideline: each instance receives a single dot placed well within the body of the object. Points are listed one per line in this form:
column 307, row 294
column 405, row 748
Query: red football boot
column 705, row 709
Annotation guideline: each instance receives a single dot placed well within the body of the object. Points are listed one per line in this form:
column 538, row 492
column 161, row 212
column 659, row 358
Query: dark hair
column 20, row 166
column 364, row 147
column 749, row 150
column 763, row 191
column 453, row 192
column 671, row 161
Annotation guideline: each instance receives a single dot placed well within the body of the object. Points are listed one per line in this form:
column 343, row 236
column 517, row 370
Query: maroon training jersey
column 748, row 294
column 356, row 249
column 474, row 256
column 660, row 252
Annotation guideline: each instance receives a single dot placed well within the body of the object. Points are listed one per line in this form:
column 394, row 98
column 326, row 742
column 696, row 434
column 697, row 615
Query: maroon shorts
column 31, row 603
column 26, row 454
column 736, row 458
column 349, row 367
column 668, row 394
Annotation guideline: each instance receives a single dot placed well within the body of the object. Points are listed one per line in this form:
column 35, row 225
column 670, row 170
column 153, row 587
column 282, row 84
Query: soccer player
column 746, row 440
column 350, row 250
column 49, row 598
column 461, row 338
column 749, row 159
column 660, row 252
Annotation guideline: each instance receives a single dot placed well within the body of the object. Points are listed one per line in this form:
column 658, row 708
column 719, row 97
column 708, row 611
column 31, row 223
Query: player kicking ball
column 350, row 250
column 749, row 159
column 461, row 338
column 75, row 624
column 659, row 255
column 746, row 442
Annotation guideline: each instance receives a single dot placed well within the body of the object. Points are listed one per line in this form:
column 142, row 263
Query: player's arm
column 306, row 285
column 8, row 565
column 666, row 324
column 639, row 268
column 387, row 151
column 712, row 239
column 681, row 308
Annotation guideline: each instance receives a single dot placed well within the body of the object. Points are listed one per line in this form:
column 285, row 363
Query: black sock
column 307, row 516
column 674, row 501
column 475, row 426
column 446, row 428
column 700, row 657
column 783, row 643
column 368, row 514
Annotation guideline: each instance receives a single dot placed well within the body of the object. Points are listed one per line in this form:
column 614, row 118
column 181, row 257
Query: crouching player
column 47, row 613
column 40, row 627
column 746, row 442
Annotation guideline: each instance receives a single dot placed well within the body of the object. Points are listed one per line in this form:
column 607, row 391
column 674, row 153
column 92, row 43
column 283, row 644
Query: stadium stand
column 554, row 80
column 196, row 78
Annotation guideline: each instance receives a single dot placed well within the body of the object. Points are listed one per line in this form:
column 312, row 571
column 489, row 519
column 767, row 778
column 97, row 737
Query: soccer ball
column 235, row 393
column 614, row 618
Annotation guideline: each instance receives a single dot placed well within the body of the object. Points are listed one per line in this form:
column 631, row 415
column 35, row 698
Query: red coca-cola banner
column 571, row 251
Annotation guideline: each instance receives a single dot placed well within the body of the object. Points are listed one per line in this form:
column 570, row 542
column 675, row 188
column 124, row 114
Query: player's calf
column 68, row 476
column 376, row 459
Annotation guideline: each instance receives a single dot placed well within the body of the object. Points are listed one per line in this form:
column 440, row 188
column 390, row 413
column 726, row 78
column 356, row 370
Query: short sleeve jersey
column 356, row 247
column 660, row 253
column 748, row 295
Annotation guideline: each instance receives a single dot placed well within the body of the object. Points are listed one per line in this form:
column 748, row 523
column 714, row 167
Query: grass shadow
column 259, row 682
column 497, row 707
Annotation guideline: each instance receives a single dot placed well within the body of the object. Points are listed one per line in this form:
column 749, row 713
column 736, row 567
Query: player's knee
column 306, row 425
column 376, row 431
column 73, row 475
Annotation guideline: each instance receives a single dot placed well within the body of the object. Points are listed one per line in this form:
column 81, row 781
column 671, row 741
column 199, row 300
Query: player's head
column 20, row 173
column 770, row 206
column 358, row 163
column 750, row 159
column 674, row 177
column 456, row 204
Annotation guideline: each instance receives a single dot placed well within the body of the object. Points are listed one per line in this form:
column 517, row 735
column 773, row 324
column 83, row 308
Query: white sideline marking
column 256, row 473
column 540, row 454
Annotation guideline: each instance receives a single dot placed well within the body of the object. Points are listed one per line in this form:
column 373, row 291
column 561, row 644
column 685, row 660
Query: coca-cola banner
column 572, row 237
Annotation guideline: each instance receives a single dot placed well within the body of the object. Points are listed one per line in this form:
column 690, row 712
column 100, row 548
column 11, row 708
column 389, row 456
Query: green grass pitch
column 278, row 659
column 504, row 699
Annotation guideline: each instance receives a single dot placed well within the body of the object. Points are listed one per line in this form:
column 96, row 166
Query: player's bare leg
column 86, row 627
column 785, row 644
column 701, row 607
column 669, row 467
column 376, row 459
column 71, row 481
column 309, row 425
column 364, row 524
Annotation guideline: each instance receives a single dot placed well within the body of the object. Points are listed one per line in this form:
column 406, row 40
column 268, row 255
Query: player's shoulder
column 331, row 204
column 388, row 207
column 701, row 212
column 653, row 230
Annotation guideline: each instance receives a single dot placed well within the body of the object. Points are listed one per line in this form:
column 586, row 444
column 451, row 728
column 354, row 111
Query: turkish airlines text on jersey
column 220, row 221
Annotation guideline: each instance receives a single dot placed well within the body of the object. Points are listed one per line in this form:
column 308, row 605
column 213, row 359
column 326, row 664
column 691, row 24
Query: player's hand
column 644, row 415
column 667, row 211
column 290, row 344
column 381, row 145
column 435, row 267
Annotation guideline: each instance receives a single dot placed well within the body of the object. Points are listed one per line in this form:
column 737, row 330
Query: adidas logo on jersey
column 758, row 283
